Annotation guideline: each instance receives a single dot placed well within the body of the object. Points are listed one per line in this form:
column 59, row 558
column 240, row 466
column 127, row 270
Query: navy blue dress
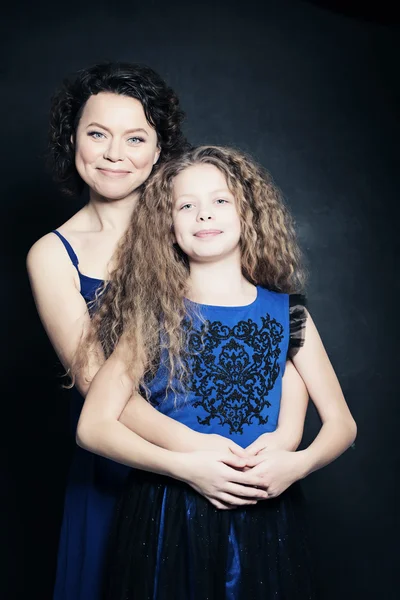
column 168, row 542
column 94, row 484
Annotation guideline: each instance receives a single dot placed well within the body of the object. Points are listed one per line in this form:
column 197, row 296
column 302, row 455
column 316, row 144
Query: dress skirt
column 170, row 543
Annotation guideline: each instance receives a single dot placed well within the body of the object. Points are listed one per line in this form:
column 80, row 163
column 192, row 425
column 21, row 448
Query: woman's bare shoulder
column 49, row 247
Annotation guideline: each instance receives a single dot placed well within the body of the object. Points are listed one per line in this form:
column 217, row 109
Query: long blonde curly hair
column 144, row 300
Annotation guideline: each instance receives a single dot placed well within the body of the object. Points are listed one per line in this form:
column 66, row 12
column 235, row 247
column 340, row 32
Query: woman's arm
column 216, row 475
column 63, row 312
column 155, row 427
column 292, row 414
column 64, row 315
column 62, row 309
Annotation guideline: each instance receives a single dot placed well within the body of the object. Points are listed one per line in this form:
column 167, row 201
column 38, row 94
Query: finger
column 243, row 491
column 253, row 461
column 238, row 451
column 254, row 448
column 218, row 504
column 251, row 478
column 234, row 461
column 258, row 478
column 235, row 501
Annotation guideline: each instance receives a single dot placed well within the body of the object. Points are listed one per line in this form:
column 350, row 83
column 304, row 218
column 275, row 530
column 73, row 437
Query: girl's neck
column 221, row 284
column 110, row 215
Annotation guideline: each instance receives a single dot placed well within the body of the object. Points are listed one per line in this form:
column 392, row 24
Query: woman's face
column 116, row 147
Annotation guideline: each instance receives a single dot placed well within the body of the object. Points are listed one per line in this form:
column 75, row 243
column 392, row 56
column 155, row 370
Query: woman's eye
column 221, row 201
column 135, row 140
column 96, row 135
column 186, row 206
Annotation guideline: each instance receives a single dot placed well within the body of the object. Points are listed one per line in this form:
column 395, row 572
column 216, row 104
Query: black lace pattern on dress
column 233, row 369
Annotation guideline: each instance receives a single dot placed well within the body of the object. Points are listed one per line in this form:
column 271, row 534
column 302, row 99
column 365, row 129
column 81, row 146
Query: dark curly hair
column 160, row 105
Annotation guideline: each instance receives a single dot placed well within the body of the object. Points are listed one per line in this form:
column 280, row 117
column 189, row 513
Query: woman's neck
column 105, row 214
column 220, row 283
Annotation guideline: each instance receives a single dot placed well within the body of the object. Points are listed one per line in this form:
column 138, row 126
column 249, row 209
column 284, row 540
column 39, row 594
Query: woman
column 110, row 128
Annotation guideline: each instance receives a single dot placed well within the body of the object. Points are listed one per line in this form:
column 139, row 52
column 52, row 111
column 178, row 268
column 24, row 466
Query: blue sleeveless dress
column 94, row 484
column 168, row 542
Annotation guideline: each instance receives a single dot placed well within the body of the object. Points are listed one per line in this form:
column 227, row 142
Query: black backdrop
column 313, row 94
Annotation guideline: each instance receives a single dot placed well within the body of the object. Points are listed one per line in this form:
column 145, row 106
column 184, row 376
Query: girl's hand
column 276, row 470
column 218, row 476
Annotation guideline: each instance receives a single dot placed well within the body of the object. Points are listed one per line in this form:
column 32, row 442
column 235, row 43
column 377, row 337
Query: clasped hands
column 230, row 476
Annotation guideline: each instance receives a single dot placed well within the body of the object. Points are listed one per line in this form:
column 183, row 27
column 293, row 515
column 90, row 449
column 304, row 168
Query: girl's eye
column 186, row 206
column 135, row 140
column 96, row 135
column 221, row 201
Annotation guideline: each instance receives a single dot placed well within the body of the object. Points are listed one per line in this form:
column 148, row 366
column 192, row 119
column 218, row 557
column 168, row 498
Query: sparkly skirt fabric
column 169, row 543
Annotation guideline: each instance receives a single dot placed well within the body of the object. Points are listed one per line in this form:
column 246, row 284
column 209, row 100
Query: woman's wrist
column 280, row 440
column 178, row 466
column 189, row 440
column 197, row 441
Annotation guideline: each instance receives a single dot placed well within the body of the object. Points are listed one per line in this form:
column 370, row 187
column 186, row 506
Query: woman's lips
column 114, row 173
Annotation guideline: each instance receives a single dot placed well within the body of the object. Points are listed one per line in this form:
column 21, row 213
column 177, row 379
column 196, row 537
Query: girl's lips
column 205, row 233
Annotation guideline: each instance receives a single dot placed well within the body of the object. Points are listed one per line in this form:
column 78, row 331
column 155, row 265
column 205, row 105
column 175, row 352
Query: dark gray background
column 314, row 95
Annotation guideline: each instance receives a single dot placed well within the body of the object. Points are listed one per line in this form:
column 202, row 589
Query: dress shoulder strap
column 69, row 249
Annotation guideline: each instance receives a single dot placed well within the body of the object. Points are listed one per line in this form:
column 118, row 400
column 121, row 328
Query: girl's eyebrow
column 223, row 190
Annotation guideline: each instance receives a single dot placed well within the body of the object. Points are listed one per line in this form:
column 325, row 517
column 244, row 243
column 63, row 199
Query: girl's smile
column 205, row 210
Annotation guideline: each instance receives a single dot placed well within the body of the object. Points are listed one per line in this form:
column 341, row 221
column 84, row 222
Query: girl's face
column 116, row 148
column 205, row 217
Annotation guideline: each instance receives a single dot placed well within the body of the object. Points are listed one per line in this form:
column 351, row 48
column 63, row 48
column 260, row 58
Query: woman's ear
column 157, row 155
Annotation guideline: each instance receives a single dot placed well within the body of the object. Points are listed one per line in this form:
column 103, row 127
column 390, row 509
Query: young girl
column 110, row 127
column 209, row 349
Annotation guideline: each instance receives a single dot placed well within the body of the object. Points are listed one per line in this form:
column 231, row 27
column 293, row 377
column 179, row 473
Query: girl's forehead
column 200, row 177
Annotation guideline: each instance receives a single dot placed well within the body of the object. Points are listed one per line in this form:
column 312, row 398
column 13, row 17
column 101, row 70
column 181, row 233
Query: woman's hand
column 273, row 440
column 219, row 477
column 276, row 470
column 214, row 441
